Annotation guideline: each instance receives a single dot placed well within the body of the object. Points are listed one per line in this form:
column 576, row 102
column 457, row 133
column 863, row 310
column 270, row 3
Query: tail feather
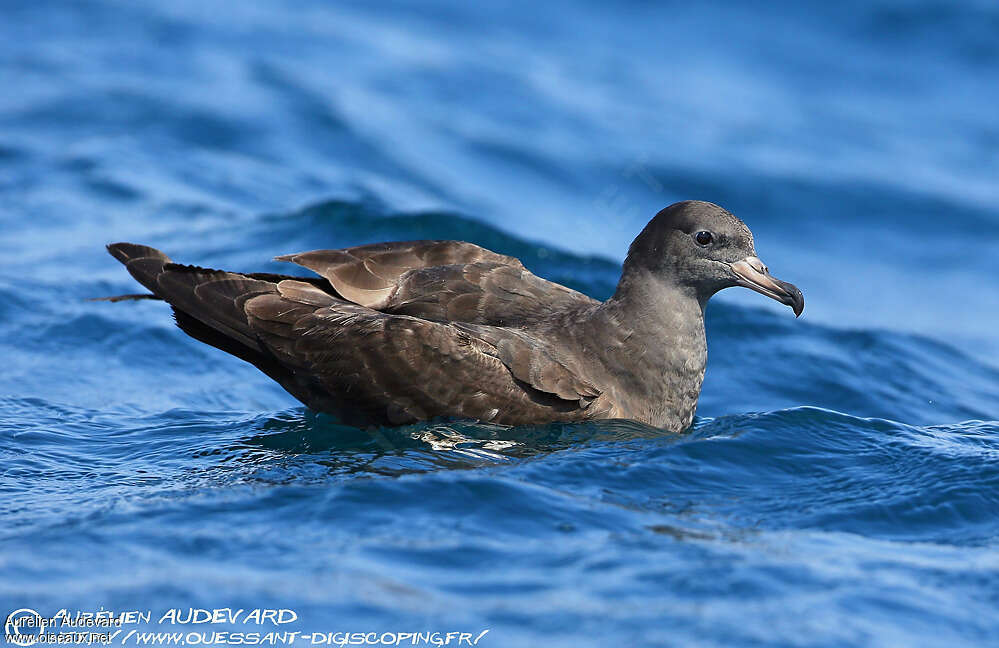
column 128, row 297
column 214, row 297
column 209, row 304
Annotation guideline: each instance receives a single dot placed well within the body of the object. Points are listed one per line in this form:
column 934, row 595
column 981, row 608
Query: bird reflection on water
column 418, row 448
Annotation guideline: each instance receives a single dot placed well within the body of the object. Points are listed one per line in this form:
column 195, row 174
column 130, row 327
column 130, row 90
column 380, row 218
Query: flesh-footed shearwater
column 393, row 333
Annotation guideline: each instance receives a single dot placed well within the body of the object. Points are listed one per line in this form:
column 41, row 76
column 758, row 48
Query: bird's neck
column 656, row 346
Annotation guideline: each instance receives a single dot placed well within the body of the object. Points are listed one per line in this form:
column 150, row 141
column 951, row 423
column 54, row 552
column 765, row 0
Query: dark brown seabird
column 393, row 333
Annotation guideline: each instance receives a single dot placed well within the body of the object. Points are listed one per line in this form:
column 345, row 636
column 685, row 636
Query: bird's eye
column 704, row 238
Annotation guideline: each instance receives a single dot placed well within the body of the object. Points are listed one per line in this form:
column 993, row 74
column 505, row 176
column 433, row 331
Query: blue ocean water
column 840, row 485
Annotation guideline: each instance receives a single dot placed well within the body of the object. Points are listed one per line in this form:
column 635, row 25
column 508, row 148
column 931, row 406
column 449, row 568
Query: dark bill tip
column 752, row 274
column 792, row 296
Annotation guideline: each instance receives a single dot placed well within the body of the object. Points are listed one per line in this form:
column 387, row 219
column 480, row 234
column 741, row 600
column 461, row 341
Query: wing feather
column 399, row 369
column 441, row 281
column 368, row 274
column 384, row 275
column 392, row 333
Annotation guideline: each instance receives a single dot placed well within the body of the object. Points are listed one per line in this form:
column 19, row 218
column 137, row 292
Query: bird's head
column 700, row 246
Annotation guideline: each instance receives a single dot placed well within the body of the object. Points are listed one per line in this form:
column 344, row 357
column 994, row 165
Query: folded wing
column 444, row 281
column 425, row 351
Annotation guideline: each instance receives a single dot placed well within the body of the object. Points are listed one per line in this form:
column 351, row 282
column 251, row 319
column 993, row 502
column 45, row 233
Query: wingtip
column 117, row 250
column 125, row 252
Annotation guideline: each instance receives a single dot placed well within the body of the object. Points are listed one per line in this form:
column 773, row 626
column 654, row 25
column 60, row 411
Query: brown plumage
column 393, row 333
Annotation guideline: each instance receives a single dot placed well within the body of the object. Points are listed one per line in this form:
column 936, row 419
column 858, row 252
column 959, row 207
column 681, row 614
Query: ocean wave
column 839, row 484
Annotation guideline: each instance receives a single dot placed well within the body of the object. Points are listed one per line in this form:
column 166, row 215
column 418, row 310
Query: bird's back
column 390, row 333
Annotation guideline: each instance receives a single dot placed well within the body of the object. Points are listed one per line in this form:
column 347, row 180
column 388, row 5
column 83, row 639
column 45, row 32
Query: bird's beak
column 752, row 274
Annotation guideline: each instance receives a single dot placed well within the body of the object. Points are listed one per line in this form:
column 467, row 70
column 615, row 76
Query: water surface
column 841, row 483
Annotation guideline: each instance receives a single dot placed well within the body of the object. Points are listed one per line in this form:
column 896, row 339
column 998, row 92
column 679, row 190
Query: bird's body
column 393, row 333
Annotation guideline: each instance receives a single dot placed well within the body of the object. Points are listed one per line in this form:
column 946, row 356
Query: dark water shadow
column 302, row 436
